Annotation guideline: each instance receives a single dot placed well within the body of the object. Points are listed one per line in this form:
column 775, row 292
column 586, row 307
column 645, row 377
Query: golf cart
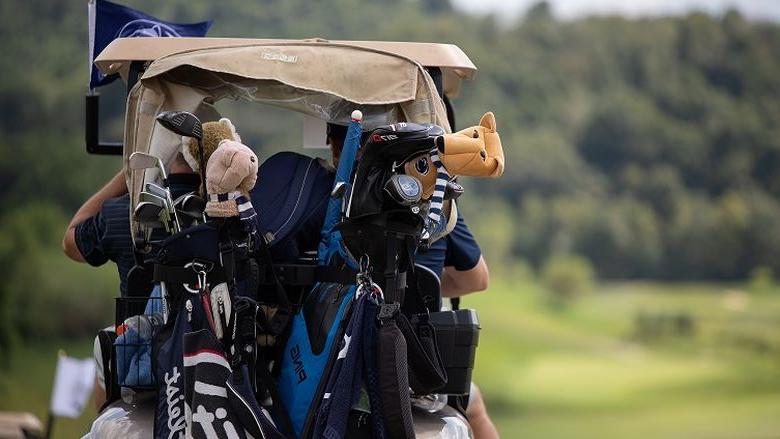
column 387, row 82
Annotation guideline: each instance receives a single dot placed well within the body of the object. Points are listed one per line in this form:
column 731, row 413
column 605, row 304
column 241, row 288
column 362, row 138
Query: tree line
column 648, row 146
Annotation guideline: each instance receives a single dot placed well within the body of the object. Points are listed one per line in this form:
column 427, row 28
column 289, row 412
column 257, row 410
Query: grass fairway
column 579, row 372
column 584, row 372
column 26, row 386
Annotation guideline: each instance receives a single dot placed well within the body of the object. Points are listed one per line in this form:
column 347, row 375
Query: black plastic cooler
column 457, row 335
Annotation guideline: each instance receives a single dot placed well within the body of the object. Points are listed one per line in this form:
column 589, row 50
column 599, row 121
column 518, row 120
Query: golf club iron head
column 141, row 160
column 153, row 198
column 160, row 200
column 156, row 190
column 163, row 193
column 192, row 206
column 149, row 214
column 166, row 215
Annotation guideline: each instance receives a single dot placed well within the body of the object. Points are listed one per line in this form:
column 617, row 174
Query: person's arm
column 114, row 188
column 456, row 283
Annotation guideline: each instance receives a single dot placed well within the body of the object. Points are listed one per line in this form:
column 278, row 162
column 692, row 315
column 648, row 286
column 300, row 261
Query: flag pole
column 49, row 414
column 49, row 425
column 91, row 17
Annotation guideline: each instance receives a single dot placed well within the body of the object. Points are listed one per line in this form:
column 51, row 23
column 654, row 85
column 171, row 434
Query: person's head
column 179, row 165
column 335, row 139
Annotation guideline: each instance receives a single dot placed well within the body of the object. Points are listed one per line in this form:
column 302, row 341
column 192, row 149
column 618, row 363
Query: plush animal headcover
column 475, row 151
column 231, row 173
column 213, row 134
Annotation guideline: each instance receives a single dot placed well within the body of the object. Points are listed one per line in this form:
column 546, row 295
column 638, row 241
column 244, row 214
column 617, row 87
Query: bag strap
column 300, row 275
column 284, row 311
column 393, row 375
column 391, row 290
column 426, row 371
column 176, row 274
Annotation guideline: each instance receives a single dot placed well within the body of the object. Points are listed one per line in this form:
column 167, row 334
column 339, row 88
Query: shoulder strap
column 393, row 375
column 306, row 275
column 279, row 321
column 426, row 371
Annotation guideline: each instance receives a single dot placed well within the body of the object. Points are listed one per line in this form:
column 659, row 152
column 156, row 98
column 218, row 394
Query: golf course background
column 633, row 241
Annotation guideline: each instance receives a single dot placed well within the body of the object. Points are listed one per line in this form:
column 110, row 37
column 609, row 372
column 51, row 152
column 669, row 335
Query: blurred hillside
column 650, row 147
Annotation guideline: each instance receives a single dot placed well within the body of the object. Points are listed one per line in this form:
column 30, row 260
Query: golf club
column 141, row 160
column 187, row 124
column 163, row 203
column 149, row 214
column 155, row 189
column 192, row 206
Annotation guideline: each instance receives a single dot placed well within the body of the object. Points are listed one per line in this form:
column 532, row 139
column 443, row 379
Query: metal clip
column 202, row 281
column 364, row 272
column 200, row 270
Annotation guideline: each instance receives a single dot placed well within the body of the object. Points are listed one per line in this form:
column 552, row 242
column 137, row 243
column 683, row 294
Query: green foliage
column 566, row 277
column 43, row 294
column 23, row 233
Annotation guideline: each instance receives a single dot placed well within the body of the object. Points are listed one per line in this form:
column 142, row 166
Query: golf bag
column 323, row 366
column 204, row 356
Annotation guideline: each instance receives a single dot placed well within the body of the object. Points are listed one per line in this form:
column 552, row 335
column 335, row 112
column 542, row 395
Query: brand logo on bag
column 273, row 56
column 295, row 354
column 172, row 398
column 377, row 138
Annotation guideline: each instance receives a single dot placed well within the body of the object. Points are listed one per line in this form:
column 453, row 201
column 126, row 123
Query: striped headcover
column 437, row 198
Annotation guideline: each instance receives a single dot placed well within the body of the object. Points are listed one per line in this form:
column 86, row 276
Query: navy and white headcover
column 437, row 198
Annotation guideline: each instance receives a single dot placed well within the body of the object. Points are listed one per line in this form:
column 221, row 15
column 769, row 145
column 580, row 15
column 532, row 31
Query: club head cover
column 213, row 134
column 475, row 151
column 230, row 172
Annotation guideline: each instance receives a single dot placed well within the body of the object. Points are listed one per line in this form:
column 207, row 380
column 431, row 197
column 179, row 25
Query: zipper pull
column 221, row 306
column 188, row 305
column 220, row 327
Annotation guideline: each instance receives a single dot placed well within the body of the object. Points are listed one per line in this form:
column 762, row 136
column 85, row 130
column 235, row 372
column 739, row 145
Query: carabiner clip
column 200, row 271
column 201, row 281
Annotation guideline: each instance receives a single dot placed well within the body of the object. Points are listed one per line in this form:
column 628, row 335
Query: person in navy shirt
column 457, row 260
column 100, row 230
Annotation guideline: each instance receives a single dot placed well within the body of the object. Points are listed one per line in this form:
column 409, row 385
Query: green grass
column 578, row 372
column 26, row 385
column 582, row 372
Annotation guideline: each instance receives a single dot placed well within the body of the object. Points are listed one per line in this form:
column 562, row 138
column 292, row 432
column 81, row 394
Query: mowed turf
column 578, row 372
column 583, row 371
column 26, row 386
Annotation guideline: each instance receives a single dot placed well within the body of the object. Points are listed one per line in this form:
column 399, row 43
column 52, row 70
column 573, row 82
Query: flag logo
column 146, row 28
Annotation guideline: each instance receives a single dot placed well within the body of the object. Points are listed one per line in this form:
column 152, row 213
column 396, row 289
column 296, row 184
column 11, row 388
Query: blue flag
column 108, row 21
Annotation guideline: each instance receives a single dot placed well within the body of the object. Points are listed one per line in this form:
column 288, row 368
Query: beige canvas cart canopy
column 455, row 65
column 323, row 79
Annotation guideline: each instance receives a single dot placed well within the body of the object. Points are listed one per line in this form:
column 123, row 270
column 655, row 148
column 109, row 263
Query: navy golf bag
column 324, row 378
